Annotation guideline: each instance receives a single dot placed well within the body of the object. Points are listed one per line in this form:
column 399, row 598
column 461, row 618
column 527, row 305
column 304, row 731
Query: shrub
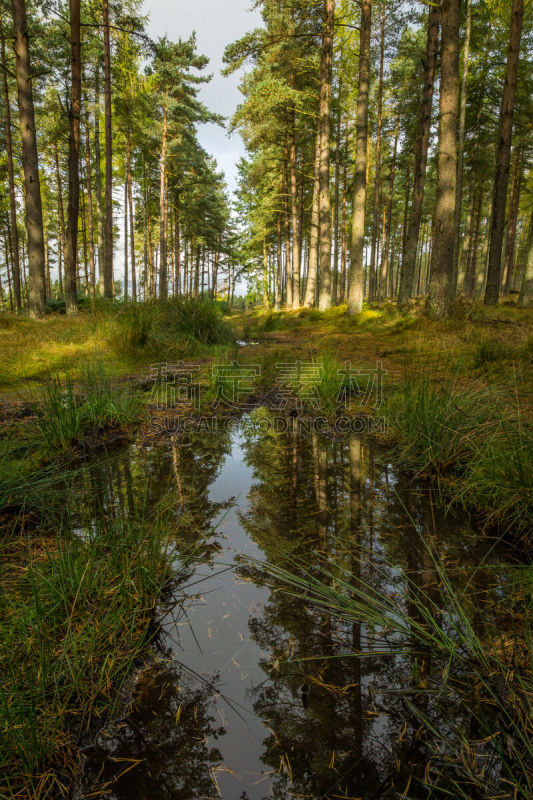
column 473, row 441
column 200, row 319
column 69, row 413
column 488, row 352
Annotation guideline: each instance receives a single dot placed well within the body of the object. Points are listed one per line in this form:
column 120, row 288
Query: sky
column 216, row 23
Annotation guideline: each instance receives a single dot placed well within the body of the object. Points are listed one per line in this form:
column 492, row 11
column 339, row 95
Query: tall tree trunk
column 85, row 247
column 288, row 261
column 216, row 265
column 298, row 284
column 324, row 217
column 126, row 277
column 177, row 246
column 163, row 289
column 312, row 270
column 295, row 289
column 11, row 180
column 503, row 156
column 71, row 249
column 336, row 209
column 460, row 151
column 470, row 275
column 421, row 156
column 151, row 264
column 197, row 272
column 373, row 292
column 514, row 202
column 279, row 267
column 132, row 226
column 384, row 280
column 60, row 222
column 526, row 292
column 342, row 291
column 265, row 275
column 355, row 287
column 30, row 162
column 466, row 245
column 90, row 213
column 98, row 182
column 108, row 229
column 442, row 254
column 6, row 252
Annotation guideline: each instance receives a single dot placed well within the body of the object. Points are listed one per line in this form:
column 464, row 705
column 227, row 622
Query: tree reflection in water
column 162, row 748
column 331, row 725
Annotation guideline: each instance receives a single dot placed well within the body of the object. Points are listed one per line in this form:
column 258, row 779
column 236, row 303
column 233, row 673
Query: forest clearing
column 266, row 429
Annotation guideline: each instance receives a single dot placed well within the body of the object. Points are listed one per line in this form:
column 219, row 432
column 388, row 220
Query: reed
column 477, row 723
column 475, row 441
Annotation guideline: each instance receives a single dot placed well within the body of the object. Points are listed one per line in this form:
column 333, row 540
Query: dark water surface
column 255, row 694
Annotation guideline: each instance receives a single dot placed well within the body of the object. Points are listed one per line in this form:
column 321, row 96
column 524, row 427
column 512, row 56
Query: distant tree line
column 389, row 151
column 99, row 123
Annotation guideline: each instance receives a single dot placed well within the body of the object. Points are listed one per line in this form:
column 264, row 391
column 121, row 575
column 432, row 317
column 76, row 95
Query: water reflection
column 300, row 717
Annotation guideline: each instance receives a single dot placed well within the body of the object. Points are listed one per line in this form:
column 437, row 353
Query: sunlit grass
column 122, row 336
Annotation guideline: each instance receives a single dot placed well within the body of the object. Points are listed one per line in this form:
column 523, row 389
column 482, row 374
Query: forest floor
column 457, row 395
column 493, row 344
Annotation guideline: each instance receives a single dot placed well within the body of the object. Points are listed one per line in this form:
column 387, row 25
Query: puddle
column 255, row 694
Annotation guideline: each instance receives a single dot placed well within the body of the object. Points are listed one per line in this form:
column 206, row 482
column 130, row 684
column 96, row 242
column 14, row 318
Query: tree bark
column 30, row 162
column 85, row 246
column 163, row 289
column 60, row 222
column 279, row 267
column 514, row 202
column 108, row 229
column 288, row 261
column 526, row 292
column 470, row 275
column 126, row 277
column 355, row 287
column 384, row 281
column 11, row 182
column 295, row 289
column 421, row 156
column 132, row 227
column 90, row 213
column 335, row 292
column 503, row 156
column 98, row 181
column 326, row 70
column 373, row 283
column 460, row 150
column 443, row 238
column 342, row 291
column 312, row 270
column 73, row 210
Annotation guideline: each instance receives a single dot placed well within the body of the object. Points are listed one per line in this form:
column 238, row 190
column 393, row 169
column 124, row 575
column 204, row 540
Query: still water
column 254, row 692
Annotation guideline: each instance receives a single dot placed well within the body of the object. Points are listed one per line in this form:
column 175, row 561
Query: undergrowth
column 474, row 440
column 469, row 699
column 70, row 411
column 71, row 625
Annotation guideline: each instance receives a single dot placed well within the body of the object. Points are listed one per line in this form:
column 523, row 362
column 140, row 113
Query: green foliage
column 472, row 707
column 489, row 351
column 200, row 319
column 137, row 325
column 69, row 635
column 69, row 412
column 477, row 446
